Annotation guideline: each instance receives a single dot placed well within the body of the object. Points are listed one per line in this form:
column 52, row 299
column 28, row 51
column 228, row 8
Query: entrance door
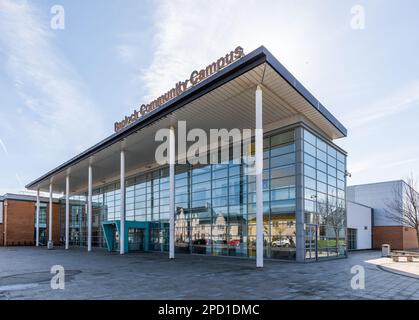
column 115, row 241
column 352, row 236
column 135, row 239
column 42, row 236
column 311, row 241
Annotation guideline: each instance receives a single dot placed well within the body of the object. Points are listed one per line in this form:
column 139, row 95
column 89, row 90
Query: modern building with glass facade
column 117, row 197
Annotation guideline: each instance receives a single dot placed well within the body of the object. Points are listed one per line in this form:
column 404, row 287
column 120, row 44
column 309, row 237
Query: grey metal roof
column 25, row 197
column 253, row 59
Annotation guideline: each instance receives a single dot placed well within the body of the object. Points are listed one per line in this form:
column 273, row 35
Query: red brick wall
column 1, row 235
column 56, row 224
column 398, row 237
column 20, row 223
column 392, row 235
column 409, row 238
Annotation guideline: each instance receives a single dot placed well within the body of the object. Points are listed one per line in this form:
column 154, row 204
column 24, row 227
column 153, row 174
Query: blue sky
column 62, row 90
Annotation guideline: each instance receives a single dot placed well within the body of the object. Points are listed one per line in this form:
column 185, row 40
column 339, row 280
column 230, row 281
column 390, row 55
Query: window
column 282, row 182
column 324, row 194
column 42, row 215
column 277, row 151
column 321, row 145
column 283, row 160
column 215, row 204
column 282, row 138
column 321, row 155
column 311, row 161
column 309, row 137
column 284, row 171
column 321, row 165
column 309, row 172
column 310, row 183
column 310, row 149
column 352, row 239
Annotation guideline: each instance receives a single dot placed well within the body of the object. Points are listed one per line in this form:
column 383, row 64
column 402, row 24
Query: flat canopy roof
column 224, row 100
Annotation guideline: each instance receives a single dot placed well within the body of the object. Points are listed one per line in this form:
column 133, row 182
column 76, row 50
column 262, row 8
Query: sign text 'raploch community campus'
column 181, row 86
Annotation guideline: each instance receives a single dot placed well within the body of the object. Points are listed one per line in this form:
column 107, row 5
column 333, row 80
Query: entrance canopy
column 224, row 100
column 111, row 227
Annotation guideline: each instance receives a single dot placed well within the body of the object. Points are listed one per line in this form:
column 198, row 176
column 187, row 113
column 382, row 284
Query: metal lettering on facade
column 181, row 86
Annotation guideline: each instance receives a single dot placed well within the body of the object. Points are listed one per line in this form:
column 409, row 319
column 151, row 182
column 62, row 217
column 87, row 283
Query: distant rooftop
column 381, row 182
column 25, row 197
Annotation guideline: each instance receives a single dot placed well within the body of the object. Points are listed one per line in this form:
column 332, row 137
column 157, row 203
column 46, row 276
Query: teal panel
column 108, row 233
column 108, row 227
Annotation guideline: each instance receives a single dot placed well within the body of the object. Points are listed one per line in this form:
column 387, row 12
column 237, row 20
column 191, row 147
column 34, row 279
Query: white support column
column 299, row 195
column 172, row 160
column 50, row 242
column 67, row 210
column 122, row 214
column 259, row 178
column 38, row 205
column 89, row 210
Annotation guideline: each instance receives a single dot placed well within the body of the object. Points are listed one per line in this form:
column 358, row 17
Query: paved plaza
column 25, row 274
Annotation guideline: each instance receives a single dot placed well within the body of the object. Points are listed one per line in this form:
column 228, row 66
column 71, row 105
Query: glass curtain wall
column 324, row 193
column 78, row 219
column 215, row 206
column 42, row 215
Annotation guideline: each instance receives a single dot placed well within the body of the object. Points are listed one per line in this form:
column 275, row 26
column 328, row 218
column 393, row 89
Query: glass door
column 311, row 241
column 115, row 241
column 135, row 239
column 42, row 236
column 352, row 236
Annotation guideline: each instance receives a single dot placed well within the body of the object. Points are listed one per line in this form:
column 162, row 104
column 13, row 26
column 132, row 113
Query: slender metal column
column 50, row 244
column 67, row 211
column 122, row 208
column 299, row 195
column 38, row 204
column 259, row 178
column 89, row 210
column 172, row 160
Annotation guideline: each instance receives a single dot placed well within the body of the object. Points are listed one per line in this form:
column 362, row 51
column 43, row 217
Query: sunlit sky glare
column 62, row 90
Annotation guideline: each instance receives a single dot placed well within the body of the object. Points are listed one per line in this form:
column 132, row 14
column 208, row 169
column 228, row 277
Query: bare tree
column 333, row 217
column 404, row 207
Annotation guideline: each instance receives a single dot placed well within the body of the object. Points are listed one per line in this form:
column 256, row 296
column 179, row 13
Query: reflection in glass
column 215, row 206
column 325, row 212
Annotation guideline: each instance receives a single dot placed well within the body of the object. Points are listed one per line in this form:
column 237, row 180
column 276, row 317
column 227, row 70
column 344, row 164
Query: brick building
column 378, row 196
column 17, row 220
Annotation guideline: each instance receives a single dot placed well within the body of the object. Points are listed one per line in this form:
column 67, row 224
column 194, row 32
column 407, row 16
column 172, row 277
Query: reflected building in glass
column 300, row 211
column 215, row 203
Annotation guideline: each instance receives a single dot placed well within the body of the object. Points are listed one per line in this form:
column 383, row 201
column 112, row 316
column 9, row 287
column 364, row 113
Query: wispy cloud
column 3, row 146
column 385, row 163
column 53, row 116
column 381, row 162
column 399, row 163
column 196, row 32
column 57, row 108
column 129, row 49
column 19, row 181
column 396, row 102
